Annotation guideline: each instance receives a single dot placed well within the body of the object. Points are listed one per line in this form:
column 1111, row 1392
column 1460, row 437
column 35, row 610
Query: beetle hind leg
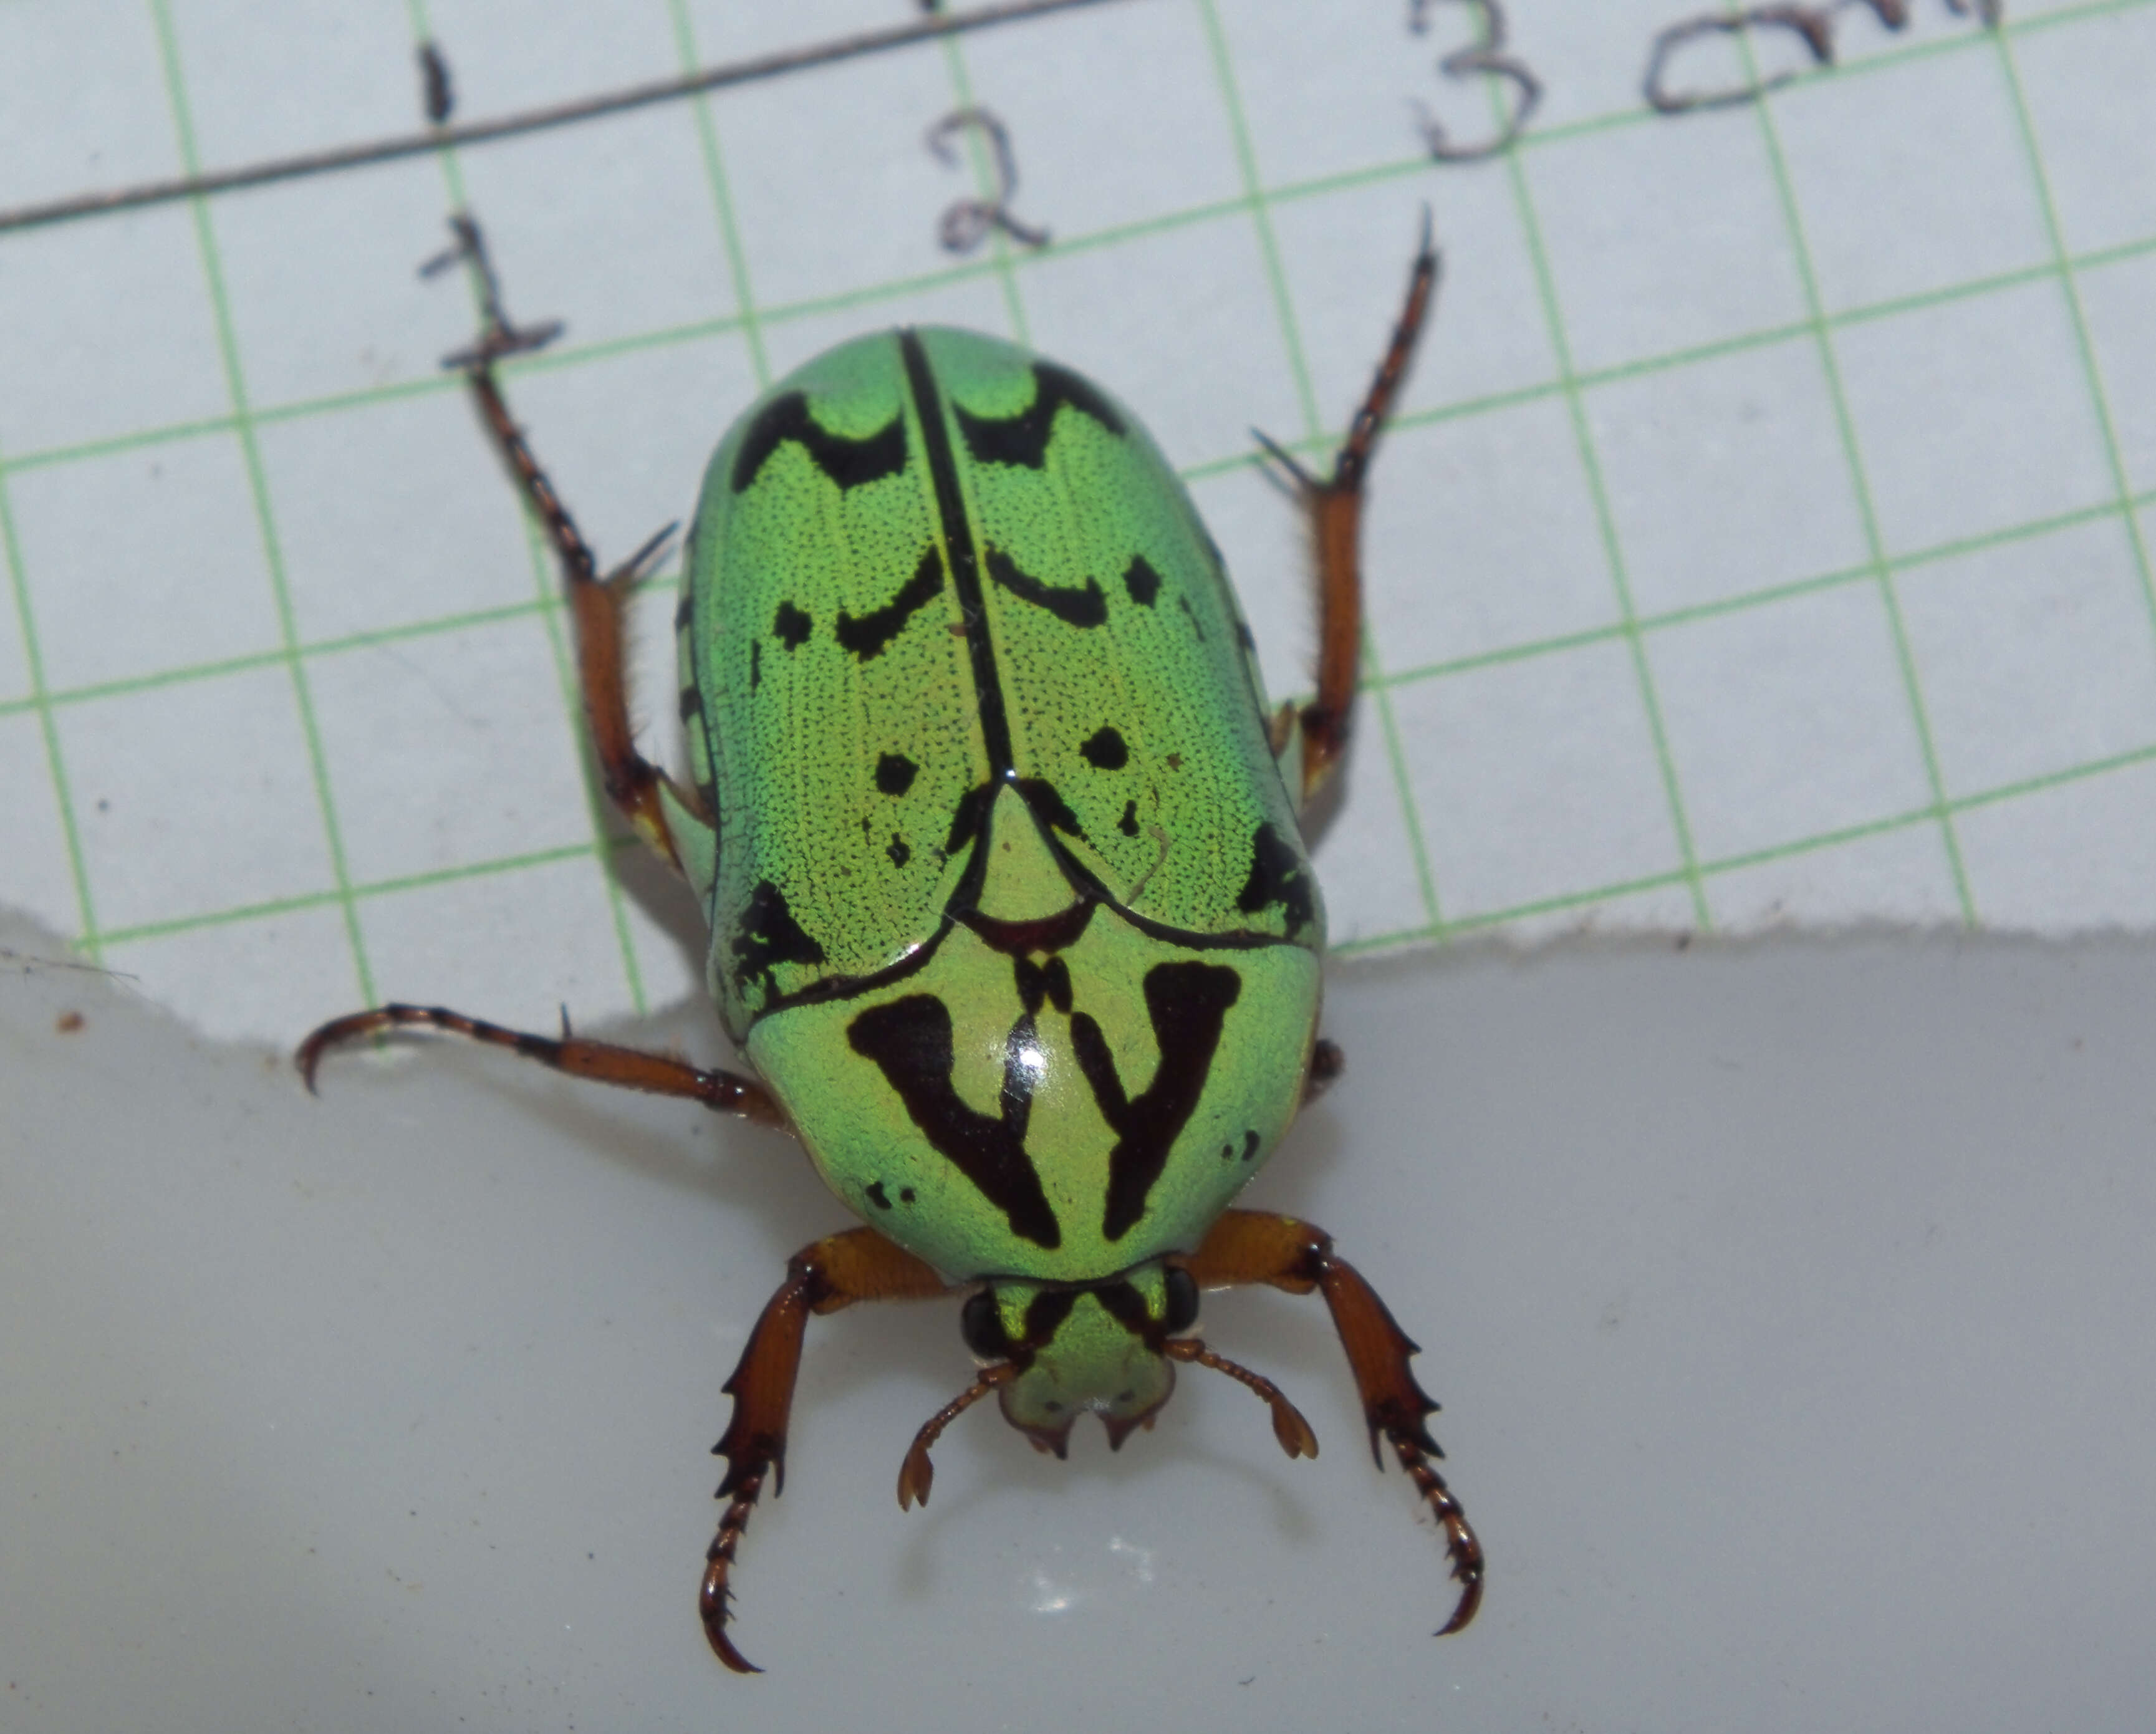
column 1315, row 737
column 637, row 787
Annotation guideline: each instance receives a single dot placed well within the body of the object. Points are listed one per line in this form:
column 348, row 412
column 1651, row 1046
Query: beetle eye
column 1181, row 1300
column 982, row 1325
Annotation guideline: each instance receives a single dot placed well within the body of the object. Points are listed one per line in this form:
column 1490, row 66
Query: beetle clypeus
column 987, row 807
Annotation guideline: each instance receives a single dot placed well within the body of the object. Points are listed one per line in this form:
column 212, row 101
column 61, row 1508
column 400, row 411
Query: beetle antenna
column 916, row 1473
column 1289, row 1428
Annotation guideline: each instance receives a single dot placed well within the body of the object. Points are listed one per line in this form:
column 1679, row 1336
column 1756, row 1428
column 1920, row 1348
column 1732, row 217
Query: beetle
column 999, row 845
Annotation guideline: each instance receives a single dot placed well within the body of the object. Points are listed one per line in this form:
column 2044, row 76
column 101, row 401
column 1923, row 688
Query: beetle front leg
column 1251, row 1246
column 633, row 782
column 858, row 1265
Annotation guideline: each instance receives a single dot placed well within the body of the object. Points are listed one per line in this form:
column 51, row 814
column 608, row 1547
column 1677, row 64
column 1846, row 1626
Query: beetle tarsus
column 1462, row 1546
column 711, row 1602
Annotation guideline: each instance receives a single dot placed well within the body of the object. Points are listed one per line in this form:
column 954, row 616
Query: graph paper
column 1764, row 540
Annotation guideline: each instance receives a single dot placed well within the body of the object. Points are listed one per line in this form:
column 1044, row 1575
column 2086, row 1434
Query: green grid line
column 1371, row 670
column 168, row 52
column 1255, row 203
column 2091, row 375
column 386, row 637
column 723, row 199
column 1860, row 480
column 504, row 866
column 572, row 354
column 1612, row 552
column 39, row 701
column 1713, row 869
column 547, row 580
column 493, row 868
column 981, row 169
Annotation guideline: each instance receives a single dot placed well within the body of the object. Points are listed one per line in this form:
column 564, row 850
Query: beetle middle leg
column 633, row 782
column 1252, row 1246
column 602, row 1062
column 1335, row 503
column 857, row 1265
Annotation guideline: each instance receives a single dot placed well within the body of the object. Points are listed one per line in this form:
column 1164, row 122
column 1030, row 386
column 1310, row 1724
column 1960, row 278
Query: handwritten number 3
column 1486, row 58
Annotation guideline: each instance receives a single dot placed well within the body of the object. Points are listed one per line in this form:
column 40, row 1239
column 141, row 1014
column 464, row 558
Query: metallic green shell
column 958, row 657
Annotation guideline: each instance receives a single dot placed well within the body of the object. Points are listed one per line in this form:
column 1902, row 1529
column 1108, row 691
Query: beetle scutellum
column 987, row 811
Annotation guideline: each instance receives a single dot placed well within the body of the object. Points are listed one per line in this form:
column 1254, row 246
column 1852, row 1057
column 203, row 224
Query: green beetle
column 998, row 843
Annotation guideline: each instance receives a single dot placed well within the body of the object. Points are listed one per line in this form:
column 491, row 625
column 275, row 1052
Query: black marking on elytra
column 755, row 664
column 1128, row 823
column 1142, row 581
column 958, row 547
column 1049, row 807
column 769, row 936
column 905, row 1195
column 1196, row 625
column 867, row 635
column 877, row 1196
column 1227, row 1152
column 1039, row 983
column 899, row 853
column 792, row 625
column 1277, row 875
column 1245, row 636
column 848, row 462
column 1188, row 1002
column 911, row 1042
column 1043, row 933
column 1250, row 1145
column 684, row 611
column 894, row 774
column 968, row 817
column 1105, row 750
column 1073, row 604
column 1023, row 438
column 1059, row 983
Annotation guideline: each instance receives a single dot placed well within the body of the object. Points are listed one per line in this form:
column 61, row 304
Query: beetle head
column 1055, row 1351
column 1074, row 1349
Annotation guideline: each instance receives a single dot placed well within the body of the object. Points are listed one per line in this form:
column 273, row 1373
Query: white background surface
column 1789, row 1305
column 1761, row 542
